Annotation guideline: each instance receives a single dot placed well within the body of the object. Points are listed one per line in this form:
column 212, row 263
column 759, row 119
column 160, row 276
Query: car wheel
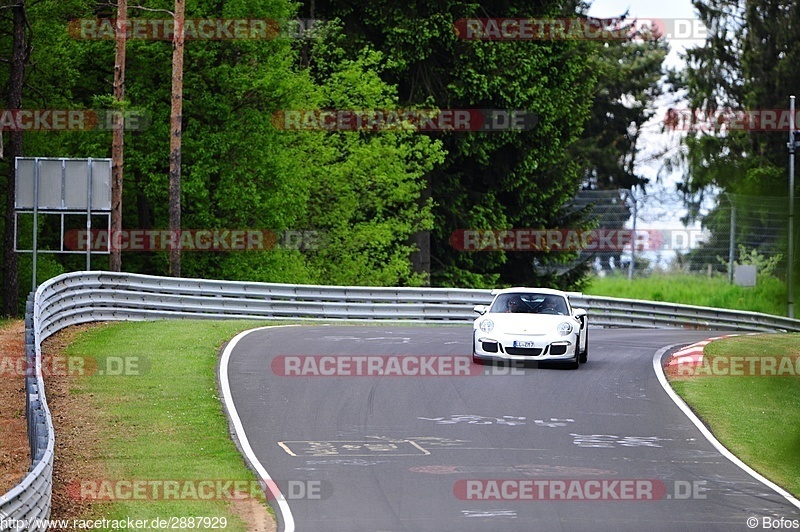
column 583, row 356
column 573, row 364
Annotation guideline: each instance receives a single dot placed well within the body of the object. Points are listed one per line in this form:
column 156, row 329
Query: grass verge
column 161, row 419
column 755, row 416
column 768, row 296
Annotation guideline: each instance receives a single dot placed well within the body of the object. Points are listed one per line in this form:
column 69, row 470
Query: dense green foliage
column 378, row 199
column 492, row 180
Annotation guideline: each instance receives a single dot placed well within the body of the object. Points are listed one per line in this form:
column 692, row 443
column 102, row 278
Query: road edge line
column 680, row 403
column 247, row 450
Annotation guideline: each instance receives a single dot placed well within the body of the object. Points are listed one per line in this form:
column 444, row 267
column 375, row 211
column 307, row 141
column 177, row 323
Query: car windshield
column 528, row 303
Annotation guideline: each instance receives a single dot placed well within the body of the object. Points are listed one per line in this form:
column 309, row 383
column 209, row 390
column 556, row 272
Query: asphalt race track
column 534, row 449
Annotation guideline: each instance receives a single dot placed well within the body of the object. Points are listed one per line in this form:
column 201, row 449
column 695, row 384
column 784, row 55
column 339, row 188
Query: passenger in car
column 515, row 305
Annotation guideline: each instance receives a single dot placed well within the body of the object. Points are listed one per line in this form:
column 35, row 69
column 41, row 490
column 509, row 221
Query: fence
column 734, row 228
column 83, row 297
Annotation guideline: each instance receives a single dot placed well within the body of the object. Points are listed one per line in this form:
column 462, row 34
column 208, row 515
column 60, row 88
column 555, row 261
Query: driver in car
column 550, row 306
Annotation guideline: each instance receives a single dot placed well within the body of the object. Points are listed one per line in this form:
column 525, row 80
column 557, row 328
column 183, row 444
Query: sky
column 654, row 9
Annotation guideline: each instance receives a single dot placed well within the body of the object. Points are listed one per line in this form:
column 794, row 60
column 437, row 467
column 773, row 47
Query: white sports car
column 530, row 324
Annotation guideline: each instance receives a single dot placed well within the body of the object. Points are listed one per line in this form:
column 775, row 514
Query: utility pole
column 793, row 145
column 732, row 244
column 633, row 239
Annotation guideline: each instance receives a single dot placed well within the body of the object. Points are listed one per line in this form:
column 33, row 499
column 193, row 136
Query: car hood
column 526, row 323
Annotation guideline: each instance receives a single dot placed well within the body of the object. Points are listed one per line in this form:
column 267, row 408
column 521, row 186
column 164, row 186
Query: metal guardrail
column 30, row 500
column 83, row 297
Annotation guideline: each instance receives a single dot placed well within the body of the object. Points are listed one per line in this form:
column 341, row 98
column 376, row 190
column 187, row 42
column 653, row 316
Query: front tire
column 573, row 364
column 585, row 354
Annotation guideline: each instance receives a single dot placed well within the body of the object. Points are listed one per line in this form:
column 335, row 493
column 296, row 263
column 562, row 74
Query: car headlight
column 564, row 328
column 486, row 326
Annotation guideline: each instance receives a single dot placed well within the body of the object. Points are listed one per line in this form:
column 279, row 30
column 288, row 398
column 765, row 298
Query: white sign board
column 63, row 184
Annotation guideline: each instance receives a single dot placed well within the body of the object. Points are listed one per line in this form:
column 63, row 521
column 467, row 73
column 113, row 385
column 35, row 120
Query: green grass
column 768, row 296
column 756, row 417
column 166, row 423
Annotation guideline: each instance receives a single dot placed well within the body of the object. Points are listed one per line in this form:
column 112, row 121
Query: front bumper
column 501, row 347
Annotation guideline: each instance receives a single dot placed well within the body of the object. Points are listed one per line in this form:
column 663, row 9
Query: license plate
column 524, row 344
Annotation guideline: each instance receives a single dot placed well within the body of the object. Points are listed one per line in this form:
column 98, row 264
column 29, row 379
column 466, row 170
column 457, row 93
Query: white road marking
column 489, row 513
column 476, row 420
column 283, row 506
column 352, row 448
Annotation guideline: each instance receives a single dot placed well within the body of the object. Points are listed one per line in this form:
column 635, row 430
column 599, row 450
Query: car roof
column 525, row 290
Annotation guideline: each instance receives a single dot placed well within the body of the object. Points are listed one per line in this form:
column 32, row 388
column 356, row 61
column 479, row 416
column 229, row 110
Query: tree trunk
column 115, row 259
column 421, row 258
column 176, row 116
column 19, row 59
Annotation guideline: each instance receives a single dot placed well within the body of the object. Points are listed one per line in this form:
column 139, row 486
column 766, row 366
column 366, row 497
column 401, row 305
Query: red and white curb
column 692, row 355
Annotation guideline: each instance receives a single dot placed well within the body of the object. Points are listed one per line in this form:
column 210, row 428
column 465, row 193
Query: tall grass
column 768, row 296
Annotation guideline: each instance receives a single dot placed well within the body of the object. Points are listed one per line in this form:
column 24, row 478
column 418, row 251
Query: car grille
column 558, row 349
column 524, row 351
column 489, row 347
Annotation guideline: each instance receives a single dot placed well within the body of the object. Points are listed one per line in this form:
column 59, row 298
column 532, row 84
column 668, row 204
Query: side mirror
column 480, row 309
column 580, row 315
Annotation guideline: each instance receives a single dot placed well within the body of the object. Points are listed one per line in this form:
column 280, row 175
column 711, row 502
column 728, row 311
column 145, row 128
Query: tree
column 628, row 85
column 117, row 143
column 176, row 129
column 748, row 62
column 20, row 54
column 488, row 180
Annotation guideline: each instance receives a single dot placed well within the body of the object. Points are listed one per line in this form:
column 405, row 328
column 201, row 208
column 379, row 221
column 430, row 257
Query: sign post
column 61, row 187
